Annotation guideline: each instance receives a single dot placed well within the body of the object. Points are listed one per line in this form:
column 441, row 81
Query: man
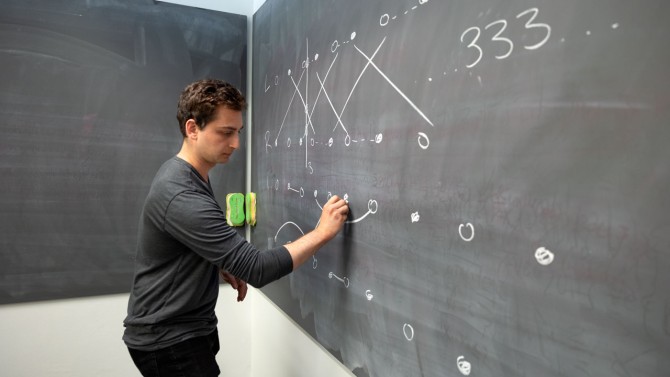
column 184, row 243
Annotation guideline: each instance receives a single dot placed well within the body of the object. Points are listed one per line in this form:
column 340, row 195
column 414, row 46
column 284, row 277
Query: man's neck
column 202, row 167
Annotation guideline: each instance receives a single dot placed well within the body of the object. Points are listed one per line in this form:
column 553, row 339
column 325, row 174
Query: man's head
column 200, row 100
column 210, row 120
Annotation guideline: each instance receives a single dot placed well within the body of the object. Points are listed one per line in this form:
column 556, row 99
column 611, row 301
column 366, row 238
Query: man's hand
column 333, row 216
column 239, row 285
column 332, row 220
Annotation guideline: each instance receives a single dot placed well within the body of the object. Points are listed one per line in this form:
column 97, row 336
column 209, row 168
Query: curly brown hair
column 200, row 99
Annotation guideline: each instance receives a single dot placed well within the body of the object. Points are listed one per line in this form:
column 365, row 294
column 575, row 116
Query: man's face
column 220, row 137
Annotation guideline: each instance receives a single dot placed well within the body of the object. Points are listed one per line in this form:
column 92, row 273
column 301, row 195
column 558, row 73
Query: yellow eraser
column 235, row 209
column 251, row 208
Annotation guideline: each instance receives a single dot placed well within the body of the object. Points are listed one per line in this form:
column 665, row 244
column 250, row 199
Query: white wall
column 280, row 348
column 82, row 337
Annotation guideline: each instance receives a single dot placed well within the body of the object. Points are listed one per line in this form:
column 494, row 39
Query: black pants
column 190, row 358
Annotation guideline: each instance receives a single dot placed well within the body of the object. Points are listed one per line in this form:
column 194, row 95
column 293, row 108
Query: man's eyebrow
column 232, row 128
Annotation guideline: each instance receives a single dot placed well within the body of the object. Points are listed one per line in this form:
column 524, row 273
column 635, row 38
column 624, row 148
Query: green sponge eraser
column 251, row 208
column 235, row 209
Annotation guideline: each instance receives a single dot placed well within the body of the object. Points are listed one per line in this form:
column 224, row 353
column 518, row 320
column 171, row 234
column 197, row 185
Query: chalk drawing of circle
column 544, row 256
column 330, row 275
column 378, row 138
column 289, row 72
column 312, row 141
column 368, row 295
column 423, row 140
column 314, row 263
column 288, row 142
column 472, row 232
column 346, row 197
column 330, row 142
column 301, row 141
column 304, row 63
column 334, row 46
column 277, row 185
column 372, row 204
column 408, row 331
column 423, row 1
column 330, row 195
column 384, row 20
column 316, row 57
column 315, row 193
column 346, row 282
column 276, row 80
column 353, row 35
column 302, row 192
column 464, row 366
column 347, row 140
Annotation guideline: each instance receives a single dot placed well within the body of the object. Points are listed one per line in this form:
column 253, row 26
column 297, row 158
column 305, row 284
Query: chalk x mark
column 391, row 82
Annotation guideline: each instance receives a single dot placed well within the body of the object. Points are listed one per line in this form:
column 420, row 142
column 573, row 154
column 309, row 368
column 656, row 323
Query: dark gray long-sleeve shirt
column 183, row 241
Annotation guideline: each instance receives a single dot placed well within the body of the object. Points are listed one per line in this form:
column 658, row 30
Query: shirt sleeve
column 197, row 221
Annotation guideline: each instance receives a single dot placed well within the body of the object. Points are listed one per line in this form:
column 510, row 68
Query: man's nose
column 235, row 142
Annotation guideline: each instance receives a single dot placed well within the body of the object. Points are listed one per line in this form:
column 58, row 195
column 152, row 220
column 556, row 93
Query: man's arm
column 333, row 216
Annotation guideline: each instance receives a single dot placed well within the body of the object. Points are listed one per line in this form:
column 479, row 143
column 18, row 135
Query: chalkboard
column 506, row 167
column 88, row 98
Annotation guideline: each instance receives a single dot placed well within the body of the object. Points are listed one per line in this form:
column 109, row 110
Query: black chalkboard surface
column 506, row 166
column 88, row 94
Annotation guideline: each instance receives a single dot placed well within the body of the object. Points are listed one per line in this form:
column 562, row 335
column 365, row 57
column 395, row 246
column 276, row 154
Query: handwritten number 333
column 497, row 37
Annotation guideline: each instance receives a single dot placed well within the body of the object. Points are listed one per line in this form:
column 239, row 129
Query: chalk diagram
column 315, row 136
column 337, row 134
column 310, row 138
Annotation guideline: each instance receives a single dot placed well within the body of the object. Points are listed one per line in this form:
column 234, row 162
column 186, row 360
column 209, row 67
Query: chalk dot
column 463, row 366
column 455, row 69
column 315, row 193
column 430, row 79
column 615, row 25
column 384, row 20
column 562, row 39
column 408, row 331
column 544, row 256
column 588, row 32
column 289, row 72
column 316, row 57
column 353, row 35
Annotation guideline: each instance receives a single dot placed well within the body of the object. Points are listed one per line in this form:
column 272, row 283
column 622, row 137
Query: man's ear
column 191, row 129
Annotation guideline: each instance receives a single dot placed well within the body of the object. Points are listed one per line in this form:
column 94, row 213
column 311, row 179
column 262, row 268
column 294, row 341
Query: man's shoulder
column 171, row 179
